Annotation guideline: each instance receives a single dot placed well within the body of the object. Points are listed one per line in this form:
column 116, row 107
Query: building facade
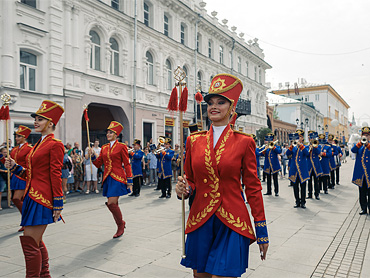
column 326, row 101
column 85, row 52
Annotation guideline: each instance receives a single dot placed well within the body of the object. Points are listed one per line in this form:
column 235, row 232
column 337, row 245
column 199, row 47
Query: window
column 149, row 63
column 306, row 98
column 255, row 73
column 95, row 50
column 148, row 132
column 186, row 72
column 165, row 19
column 28, row 67
column 231, row 60
column 169, row 74
column 221, row 55
column 247, row 68
column 31, row 3
column 114, row 63
column 239, row 65
column 317, row 97
column 209, row 49
column 115, row 4
column 199, row 78
column 183, row 30
column 169, row 128
column 146, row 14
column 260, row 76
column 199, row 42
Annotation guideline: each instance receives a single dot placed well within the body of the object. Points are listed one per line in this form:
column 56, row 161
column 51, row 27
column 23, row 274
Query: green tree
column 261, row 133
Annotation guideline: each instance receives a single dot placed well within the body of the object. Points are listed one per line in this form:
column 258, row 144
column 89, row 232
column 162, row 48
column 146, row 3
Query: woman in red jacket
column 43, row 198
column 219, row 230
column 116, row 180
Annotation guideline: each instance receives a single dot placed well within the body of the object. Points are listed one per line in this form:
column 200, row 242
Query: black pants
column 137, row 182
column 324, row 182
column 276, row 183
column 364, row 197
column 316, row 185
column 165, row 185
column 299, row 200
column 264, row 176
column 337, row 174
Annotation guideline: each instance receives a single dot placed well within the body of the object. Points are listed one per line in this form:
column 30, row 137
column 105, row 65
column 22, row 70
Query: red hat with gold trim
column 116, row 127
column 227, row 86
column 23, row 131
column 49, row 110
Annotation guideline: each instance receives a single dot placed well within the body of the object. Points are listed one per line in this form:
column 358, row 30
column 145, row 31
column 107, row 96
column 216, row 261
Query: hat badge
column 219, row 84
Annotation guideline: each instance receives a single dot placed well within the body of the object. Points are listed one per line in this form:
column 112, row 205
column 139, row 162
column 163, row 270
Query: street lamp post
column 297, row 121
column 306, row 130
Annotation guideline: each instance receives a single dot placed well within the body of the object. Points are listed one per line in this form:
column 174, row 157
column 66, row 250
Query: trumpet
column 363, row 140
column 315, row 143
column 294, row 143
column 130, row 150
column 159, row 150
column 272, row 144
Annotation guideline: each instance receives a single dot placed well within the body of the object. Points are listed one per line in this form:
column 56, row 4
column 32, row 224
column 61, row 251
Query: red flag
column 198, row 97
column 2, row 113
column 6, row 113
column 86, row 116
column 183, row 105
column 172, row 103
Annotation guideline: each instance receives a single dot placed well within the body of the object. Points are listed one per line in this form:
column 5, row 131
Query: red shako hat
column 227, row 86
column 23, row 131
column 49, row 110
column 116, row 127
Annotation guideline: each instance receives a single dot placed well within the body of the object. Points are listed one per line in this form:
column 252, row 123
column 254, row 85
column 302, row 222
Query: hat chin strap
column 45, row 126
column 227, row 115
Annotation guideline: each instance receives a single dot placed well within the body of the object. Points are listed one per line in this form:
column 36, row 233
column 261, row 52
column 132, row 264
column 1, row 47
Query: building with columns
column 88, row 52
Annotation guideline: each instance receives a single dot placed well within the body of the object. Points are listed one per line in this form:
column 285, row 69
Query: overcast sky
column 288, row 30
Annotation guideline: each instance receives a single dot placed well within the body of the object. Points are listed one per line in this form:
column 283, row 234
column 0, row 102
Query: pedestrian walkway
column 327, row 238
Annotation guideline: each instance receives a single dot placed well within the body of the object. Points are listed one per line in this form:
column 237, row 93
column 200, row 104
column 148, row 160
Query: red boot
column 44, row 261
column 18, row 203
column 117, row 215
column 32, row 256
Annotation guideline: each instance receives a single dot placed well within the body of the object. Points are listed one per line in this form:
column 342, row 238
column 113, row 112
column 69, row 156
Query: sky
column 322, row 41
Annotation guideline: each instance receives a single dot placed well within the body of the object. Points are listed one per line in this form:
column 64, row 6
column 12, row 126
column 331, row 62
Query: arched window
column 150, row 68
column 187, row 77
column 169, row 74
column 199, row 78
column 221, row 55
column 28, row 68
column 95, row 50
column 166, row 25
column 114, row 63
column 146, row 14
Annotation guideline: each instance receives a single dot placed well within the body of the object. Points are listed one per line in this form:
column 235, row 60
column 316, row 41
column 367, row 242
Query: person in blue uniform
column 314, row 166
column 298, row 172
column 332, row 161
column 326, row 154
column 258, row 154
column 338, row 160
column 361, row 170
column 165, row 170
column 137, row 169
column 272, row 165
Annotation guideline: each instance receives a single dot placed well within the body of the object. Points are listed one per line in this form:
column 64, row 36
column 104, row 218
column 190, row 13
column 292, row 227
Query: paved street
column 328, row 239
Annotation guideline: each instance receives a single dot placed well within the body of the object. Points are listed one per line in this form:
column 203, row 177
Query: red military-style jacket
column 215, row 173
column 43, row 172
column 112, row 158
column 19, row 155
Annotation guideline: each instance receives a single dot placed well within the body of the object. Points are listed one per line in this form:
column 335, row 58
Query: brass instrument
column 130, row 150
column 272, row 144
column 161, row 140
column 315, row 143
column 363, row 140
column 159, row 150
column 294, row 143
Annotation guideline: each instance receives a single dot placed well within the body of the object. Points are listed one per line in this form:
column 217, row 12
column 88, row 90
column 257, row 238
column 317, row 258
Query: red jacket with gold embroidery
column 215, row 173
column 43, row 172
column 19, row 155
column 113, row 158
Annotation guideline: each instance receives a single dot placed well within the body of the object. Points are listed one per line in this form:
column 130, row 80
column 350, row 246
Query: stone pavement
column 327, row 239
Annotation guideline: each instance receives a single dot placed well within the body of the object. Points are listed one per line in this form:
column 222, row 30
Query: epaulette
column 105, row 144
column 240, row 132
column 55, row 139
column 122, row 143
column 199, row 132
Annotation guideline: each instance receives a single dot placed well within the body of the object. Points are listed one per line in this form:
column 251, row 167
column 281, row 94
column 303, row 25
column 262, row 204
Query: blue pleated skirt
column 113, row 188
column 216, row 249
column 34, row 214
column 16, row 183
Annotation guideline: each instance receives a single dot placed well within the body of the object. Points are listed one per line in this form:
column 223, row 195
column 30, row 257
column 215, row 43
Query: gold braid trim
column 38, row 196
column 236, row 222
column 261, row 224
column 358, row 182
column 262, row 239
column 222, row 146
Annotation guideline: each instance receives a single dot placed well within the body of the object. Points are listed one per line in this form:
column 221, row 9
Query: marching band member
column 298, row 173
column 219, row 230
column 314, row 165
column 165, row 169
column 137, row 169
column 257, row 155
column 326, row 154
column 338, row 160
column 272, row 165
column 43, row 197
column 361, row 170
column 332, row 161
column 117, row 181
column 19, row 154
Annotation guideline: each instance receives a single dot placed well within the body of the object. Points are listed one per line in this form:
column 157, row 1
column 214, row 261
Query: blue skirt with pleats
column 34, row 214
column 113, row 188
column 16, row 183
column 216, row 249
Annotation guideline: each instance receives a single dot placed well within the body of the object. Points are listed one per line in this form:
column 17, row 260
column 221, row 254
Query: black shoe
column 317, row 198
column 157, row 189
column 326, row 192
column 162, row 196
column 309, row 197
column 132, row 194
column 303, row 206
column 338, row 182
column 267, row 193
column 137, row 195
column 168, row 196
column 276, row 194
column 296, row 206
column 362, row 212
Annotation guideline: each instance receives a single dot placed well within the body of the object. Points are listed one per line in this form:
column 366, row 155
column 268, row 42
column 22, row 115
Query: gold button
column 218, row 194
column 217, row 179
column 205, row 180
column 205, row 195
